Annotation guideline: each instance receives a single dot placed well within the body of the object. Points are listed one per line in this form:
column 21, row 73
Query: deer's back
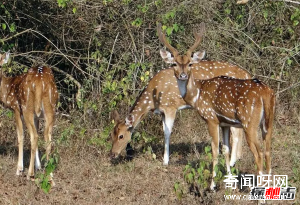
column 232, row 98
column 22, row 91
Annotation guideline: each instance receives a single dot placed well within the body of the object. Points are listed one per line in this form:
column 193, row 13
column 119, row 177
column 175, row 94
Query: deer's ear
column 167, row 56
column 129, row 121
column 4, row 58
column 115, row 116
column 198, row 56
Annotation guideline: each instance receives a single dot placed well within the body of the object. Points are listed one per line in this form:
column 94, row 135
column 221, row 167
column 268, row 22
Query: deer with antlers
column 163, row 95
column 226, row 102
column 31, row 96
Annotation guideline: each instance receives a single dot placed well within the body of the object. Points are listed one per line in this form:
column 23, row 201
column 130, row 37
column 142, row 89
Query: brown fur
column 30, row 95
column 162, row 92
column 235, row 102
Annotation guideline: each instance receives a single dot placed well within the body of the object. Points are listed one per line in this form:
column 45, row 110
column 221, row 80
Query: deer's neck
column 182, row 87
column 193, row 90
column 5, row 87
column 141, row 107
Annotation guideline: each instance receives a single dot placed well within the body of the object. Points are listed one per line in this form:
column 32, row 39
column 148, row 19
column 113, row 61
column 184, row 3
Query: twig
column 37, row 32
column 288, row 1
column 17, row 34
column 290, row 87
column 280, row 75
column 46, row 52
column 130, row 34
column 61, row 52
column 262, row 76
column 78, row 94
column 112, row 51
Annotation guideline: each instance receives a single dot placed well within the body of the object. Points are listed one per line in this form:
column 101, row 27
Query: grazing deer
column 163, row 95
column 31, row 96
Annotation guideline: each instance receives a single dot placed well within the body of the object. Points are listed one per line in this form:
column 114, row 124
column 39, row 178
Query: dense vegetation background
column 103, row 52
column 105, row 48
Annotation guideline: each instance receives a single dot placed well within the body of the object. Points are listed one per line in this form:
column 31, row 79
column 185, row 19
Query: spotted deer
column 226, row 102
column 164, row 96
column 31, row 96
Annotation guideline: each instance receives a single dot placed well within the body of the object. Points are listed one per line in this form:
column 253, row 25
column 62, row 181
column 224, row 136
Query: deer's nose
column 112, row 155
column 183, row 76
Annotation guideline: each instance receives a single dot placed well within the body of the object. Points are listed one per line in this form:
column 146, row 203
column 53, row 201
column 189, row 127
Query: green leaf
column 227, row 11
column 265, row 13
column 207, row 149
column 175, row 27
column 3, row 26
column 176, row 186
column 190, row 177
column 169, row 31
column 295, row 23
column 172, row 14
column 74, row 10
column 12, row 27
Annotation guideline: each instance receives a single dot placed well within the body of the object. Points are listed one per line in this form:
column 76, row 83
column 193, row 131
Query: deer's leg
column 268, row 152
column 253, row 142
column 168, row 121
column 237, row 143
column 225, row 148
column 49, row 122
column 266, row 135
column 49, row 113
column 29, row 120
column 20, row 133
column 37, row 157
column 213, row 129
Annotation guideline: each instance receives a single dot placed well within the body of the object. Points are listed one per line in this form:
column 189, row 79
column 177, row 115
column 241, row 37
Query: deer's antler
column 164, row 41
column 198, row 38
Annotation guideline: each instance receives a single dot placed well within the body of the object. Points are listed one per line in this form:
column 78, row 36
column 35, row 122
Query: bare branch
column 112, row 51
column 288, row 1
column 17, row 34
column 290, row 87
column 78, row 94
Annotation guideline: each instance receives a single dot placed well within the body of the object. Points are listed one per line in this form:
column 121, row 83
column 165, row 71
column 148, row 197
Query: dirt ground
column 85, row 174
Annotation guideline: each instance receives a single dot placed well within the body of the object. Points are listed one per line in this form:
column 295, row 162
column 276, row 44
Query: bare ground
column 85, row 174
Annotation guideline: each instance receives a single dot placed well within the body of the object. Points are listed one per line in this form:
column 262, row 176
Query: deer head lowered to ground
column 163, row 95
column 31, row 96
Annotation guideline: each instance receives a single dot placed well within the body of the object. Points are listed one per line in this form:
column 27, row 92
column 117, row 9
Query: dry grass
column 85, row 175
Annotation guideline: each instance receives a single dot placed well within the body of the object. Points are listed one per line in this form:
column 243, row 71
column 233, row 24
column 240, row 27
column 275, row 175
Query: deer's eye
column 121, row 137
column 190, row 64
